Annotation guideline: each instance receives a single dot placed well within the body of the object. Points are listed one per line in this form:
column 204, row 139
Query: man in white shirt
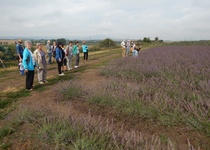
column 123, row 45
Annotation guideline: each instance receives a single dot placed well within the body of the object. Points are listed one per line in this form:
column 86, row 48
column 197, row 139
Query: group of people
column 29, row 61
column 129, row 46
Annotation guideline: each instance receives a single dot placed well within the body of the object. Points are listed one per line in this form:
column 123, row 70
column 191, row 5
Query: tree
column 156, row 39
column 2, row 49
column 107, row 43
column 62, row 40
column 146, row 40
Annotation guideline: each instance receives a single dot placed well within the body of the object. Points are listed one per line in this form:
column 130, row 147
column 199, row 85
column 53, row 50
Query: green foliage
column 4, row 103
column 163, row 84
column 146, row 40
column 107, row 43
column 189, row 43
column 6, row 131
column 2, row 48
column 8, row 52
column 94, row 48
column 72, row 92
column 28, row 116
column 18, row 94
column 156, row 39
column 62, row 40
column 101, row 100
column 5, row 146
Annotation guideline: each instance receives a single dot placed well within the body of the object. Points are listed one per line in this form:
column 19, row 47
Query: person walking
column 69, row 55
column 28, row 64
column 123, row 48
column 85, row 50
column 49, row 52
column 59, row 57
column 41, row 63
column 76, row 54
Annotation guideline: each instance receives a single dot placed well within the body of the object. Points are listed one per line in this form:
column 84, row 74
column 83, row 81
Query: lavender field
column 170, row 85
column 165, row 86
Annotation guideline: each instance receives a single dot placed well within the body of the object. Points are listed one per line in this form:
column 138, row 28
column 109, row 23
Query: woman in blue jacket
column 28, row 64
column 85, row 51
column 59, row 57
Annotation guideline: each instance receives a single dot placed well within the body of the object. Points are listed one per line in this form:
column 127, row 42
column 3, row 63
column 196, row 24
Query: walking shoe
column 41, row 82
column 29, row 89
column 45, row 81
column 62, row 74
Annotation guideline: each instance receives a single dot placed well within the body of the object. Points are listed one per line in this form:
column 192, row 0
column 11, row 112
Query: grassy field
column 158, row 100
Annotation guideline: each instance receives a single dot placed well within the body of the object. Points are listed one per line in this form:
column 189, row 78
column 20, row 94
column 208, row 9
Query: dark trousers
column 60, row 64
column 85, row 55
column 29, row 79
column 50, row 58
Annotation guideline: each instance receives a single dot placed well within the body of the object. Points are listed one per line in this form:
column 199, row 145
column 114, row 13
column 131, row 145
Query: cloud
column 169, row 20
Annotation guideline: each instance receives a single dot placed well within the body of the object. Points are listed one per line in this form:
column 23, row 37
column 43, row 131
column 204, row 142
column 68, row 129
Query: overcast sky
column 121, row 19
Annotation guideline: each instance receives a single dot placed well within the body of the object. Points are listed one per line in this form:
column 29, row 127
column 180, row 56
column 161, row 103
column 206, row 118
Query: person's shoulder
column 36, row 50
column 25, row 50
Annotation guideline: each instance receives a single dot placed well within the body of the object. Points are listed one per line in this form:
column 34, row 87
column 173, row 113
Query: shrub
column 107, row 43
column 172, row 83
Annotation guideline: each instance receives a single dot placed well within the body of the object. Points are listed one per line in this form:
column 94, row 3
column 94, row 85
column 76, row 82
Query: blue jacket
column 58, row 55
column 19, row 50
column 84, row 48
column 27, row 60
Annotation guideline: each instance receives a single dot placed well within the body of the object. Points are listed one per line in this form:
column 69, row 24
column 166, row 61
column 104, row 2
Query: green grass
column 5, row 146
column 6, row 131
column 11, row 97
column 18, row 94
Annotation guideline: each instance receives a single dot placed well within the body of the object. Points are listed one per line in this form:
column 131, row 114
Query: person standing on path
column 59, row 58
column 63, row 68
column 85, row 50
column 76, row 53
column 41, row 64
column 128, row 46
column 19, row 50
column 69, row 55
column 49, row 52
column 28, row 64
column 124, row 48
column 53, row 48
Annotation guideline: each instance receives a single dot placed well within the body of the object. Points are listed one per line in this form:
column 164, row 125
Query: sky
column 98, row 19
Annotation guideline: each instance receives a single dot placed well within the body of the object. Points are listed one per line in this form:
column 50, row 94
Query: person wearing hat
column 19, row 50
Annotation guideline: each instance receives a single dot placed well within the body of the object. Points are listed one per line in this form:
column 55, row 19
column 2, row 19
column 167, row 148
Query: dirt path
column 90, row 79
